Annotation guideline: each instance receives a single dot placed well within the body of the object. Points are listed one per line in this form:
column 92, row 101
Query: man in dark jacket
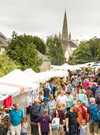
column 35, row 113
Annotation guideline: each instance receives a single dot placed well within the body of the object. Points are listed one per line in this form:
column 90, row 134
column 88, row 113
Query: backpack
column 36, row 110
column 35, row 113
column 55, row 123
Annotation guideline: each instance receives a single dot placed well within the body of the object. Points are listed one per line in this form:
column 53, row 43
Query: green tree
column 6, row 65
column 40, row 45
column 87, row 51
column 22, row 50
column 14, row 34
column 55, row 50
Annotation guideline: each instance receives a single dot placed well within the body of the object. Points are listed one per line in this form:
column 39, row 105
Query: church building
column 68, row 45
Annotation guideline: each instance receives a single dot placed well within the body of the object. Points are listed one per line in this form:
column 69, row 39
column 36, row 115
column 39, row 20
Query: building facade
column 3, row 43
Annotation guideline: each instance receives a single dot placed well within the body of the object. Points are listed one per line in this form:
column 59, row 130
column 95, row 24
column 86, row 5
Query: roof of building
column 3, row 36
column 72, row 44
column 3, row 41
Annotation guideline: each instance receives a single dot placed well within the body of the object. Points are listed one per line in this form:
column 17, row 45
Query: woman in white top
column 62, row 98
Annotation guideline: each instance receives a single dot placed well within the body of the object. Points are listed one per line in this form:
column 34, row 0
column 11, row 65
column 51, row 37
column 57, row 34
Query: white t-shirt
column 62, row 99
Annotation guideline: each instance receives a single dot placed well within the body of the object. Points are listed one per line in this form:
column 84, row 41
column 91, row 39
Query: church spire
column 65, row 28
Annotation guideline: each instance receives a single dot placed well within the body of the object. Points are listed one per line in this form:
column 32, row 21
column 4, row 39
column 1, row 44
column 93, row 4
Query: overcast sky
column 45, row 17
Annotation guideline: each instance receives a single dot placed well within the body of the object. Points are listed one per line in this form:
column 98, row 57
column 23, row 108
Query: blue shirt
column 69, row 101
column 16, row 117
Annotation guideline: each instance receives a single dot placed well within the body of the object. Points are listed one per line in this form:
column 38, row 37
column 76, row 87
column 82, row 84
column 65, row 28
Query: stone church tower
column 65, row 33
column 67, row 44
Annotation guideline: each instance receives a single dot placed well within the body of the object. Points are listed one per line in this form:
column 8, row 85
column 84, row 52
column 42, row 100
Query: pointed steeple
column 67, row 44
column 65, row 28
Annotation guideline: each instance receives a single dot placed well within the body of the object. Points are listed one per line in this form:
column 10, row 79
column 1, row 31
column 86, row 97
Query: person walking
column 55, row 124
column 71, row 122
column 93, row 108
column 35, row 113
column 62, row 98
column 44, row 124
column 16, row 115
column 83, row 128
column 24, row 126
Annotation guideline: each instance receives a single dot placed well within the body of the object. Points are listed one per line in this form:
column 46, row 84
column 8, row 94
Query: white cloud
column 46, row 16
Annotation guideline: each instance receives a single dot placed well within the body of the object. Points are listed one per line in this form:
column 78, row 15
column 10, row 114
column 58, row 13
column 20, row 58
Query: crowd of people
column 64, row 106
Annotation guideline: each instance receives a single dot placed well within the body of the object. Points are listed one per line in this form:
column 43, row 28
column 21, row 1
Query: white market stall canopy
column 66, row 66
column 18, row 77
column 7, row 89
column 14, row 82
column 44, row 76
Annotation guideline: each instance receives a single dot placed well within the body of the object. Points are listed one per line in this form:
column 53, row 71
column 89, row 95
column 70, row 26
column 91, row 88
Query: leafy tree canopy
column 6, row 65
column 88, row 51
column 22, row 50
column 39, row 44
column 55, row 50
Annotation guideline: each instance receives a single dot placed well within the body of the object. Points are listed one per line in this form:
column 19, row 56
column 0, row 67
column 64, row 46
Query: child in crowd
column 83, row 128
column 24, row 126
column 61, row 113
column 44, row 124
